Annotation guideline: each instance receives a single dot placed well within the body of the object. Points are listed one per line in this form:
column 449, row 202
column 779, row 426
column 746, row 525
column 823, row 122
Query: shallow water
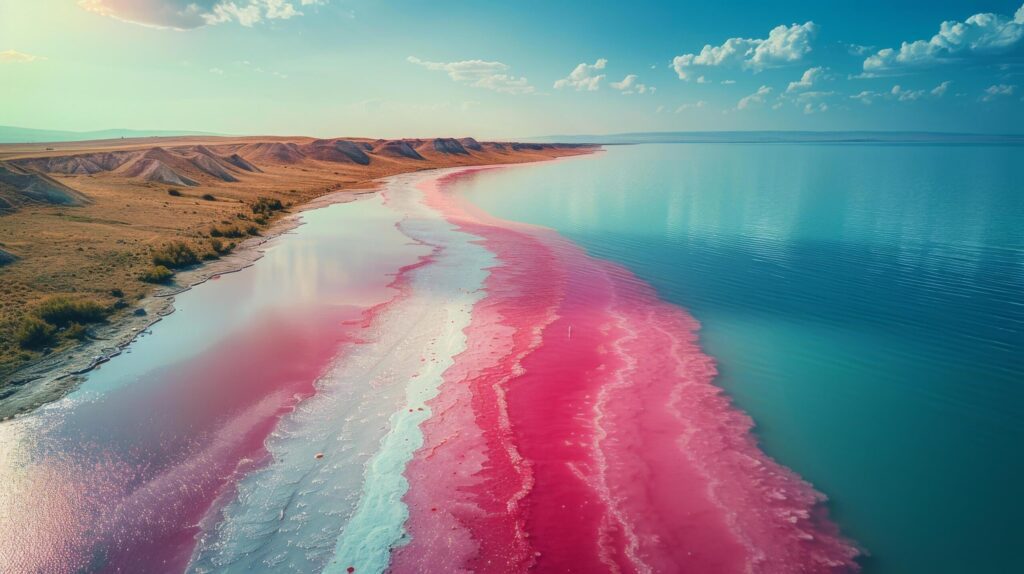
column 865, row 304
column 117, row 475
column 408, row 382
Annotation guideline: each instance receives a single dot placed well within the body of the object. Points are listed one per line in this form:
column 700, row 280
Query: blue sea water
column 865, row 304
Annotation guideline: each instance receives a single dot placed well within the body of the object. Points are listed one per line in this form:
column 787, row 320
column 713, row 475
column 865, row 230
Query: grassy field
column 115, row 249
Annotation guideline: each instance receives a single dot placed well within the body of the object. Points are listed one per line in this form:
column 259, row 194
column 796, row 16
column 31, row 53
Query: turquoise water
column 865, row 305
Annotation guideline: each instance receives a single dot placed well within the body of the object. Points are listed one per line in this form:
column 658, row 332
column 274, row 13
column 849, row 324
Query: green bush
column 174, row 255
column 34, row 333
column 252, row 229
column 157, row 274
column 267, row 205
column 173, row 192
column 209, row 197
column 62, row 311
column 76, row 331
column 229, row 231
column 220, row 247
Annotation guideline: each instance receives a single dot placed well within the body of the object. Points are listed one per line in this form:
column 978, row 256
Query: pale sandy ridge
column 253, row 166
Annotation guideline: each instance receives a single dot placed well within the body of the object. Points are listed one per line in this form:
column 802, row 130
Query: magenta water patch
column 581, row 431
column 463, row 394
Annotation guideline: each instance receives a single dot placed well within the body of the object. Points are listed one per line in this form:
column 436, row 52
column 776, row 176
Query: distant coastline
column 850, row 137
column 16, row 135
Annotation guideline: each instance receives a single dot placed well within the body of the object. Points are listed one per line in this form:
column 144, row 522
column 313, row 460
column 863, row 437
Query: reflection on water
column 117, row 475
column 866, row 305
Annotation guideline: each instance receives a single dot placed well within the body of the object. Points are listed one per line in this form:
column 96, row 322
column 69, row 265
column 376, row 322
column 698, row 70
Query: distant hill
column 786, row 137
column 10, row 134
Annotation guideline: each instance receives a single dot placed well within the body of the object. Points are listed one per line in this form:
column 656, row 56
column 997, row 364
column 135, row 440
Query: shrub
column 219, row 247
column 62, row 311
column 229, row 231
column 208, row 197
column 260, row 220
column 76, row 331
column 34, row 333
column 252, row 229
column 174, row 255
column 267, row 205
column 117, row 293
column 157, row 274
column 174, row 192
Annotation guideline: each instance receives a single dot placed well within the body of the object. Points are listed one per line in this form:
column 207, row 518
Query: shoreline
column 61, row 372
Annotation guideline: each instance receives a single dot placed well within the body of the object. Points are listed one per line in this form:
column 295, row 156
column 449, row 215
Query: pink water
column 577, row 429
column 581, row 431
column 118, row 476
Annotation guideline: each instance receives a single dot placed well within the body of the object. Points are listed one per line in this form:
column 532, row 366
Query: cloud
column 859, row 49
column 901, row 94
column 813, row 95
column 981, row 34
column 480, row 74
column 807, row 80
column 906, row 95
column 866, row 97
column 728, row 82
column 815, row 108
column 703, row 80
column 217, row 71
column 693, row 106
column 630, row 85
column 190, row 14
column 17, row 57
column 998, row 90
column 582, row 77
column 941, row 89
column 757, row 97
column 784, row 45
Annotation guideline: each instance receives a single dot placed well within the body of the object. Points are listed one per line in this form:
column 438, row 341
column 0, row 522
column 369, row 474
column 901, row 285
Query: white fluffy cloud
column 189, row 14
column 941, row 89
column 757, row 97
column 866, row 97
column 784, row 45
column 993, row 92
column 630, row 85
column 18, row 57
column 815, row 108
column 584, row 77
column 900, row 94
column 905, row 95
column 807, row 80
column 982, row 33
column 492, row 76
column 691, row 106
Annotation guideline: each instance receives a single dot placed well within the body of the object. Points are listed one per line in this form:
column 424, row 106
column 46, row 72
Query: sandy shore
column 55, row 374
column 60, row 372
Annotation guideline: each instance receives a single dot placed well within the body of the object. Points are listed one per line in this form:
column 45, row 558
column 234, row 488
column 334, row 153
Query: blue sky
column 393, row 68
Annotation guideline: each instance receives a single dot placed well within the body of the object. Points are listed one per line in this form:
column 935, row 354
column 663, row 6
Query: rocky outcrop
column 20, row 186
column 397, row 148
column 471, row 144
column 450, row 146
column 337, row 150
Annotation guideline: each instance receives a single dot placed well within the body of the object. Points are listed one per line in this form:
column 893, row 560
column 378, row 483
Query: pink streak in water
column 142, row 466
column 581, row 431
